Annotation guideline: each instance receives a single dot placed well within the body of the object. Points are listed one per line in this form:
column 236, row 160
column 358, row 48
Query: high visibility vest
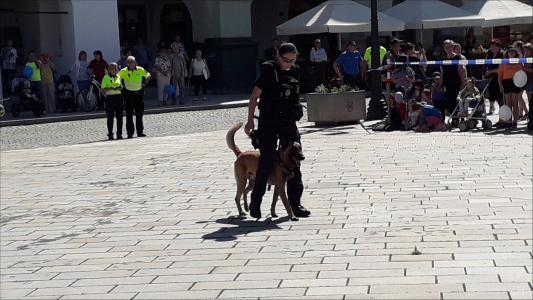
column 133, row 79
column 111, row 82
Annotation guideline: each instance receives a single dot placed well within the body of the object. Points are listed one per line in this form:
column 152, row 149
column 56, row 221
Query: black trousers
column 134, row 104
column 199, row 81
column 269, row 133
column 353, row 80
column 114, row 106
column 319, row 73
column 7, row 76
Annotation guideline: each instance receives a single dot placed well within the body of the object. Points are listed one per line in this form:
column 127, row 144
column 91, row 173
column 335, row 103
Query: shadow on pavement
column 243, row 226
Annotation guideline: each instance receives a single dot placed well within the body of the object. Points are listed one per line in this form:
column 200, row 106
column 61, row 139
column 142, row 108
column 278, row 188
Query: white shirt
column 318, row 55
column 10, row 61
column 198, row 67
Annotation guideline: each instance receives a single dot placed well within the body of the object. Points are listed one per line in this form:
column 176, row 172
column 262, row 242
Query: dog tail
column 230, row 138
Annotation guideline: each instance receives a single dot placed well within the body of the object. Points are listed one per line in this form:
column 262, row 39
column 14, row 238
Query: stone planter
column 335, row 108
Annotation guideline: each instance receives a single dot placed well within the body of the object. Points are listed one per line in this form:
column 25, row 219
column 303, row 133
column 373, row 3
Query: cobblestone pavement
column 154, row 218
column 87, row 131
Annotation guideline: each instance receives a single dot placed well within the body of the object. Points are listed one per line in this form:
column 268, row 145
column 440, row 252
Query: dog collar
column 289, row 170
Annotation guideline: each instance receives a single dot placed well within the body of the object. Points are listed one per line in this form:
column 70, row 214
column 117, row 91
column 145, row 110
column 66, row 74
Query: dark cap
column 511, row 48
column 402, row 58
column 395, row 41
column 436, row 75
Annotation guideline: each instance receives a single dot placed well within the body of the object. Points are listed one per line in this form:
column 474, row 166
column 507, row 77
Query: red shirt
column 98, row 68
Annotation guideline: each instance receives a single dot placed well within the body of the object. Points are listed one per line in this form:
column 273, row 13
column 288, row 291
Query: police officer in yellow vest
column 114, row 103
column 134, row 78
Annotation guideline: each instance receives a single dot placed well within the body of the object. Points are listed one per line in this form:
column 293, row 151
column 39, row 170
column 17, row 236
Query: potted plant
column 334, row 105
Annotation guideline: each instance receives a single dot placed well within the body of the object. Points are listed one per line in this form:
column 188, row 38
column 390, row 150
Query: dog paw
column 242, row 214
column 295, row 219
column 246, row 208
column 274, row 215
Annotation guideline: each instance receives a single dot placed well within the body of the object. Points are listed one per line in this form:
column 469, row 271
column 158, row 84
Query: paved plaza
column 155, row 218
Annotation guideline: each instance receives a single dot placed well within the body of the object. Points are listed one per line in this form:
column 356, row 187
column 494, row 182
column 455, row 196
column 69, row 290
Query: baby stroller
column 27, row 98
column 476, row 110
column 65, row 94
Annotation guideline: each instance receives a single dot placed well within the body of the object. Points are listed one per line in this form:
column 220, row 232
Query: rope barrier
column 498, row 61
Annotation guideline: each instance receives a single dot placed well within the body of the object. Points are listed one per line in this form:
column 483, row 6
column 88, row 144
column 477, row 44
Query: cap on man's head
column 395, row 41
column 436, row 75
column 317, row 41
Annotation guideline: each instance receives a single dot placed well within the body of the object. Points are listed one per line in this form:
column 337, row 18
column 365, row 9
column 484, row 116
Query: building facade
column 232, row 34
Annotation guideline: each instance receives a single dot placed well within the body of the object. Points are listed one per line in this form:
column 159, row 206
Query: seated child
column 426, row 97
column 26, row 90
column 430, row 118
column 399, row 111
column 412, row 116
column 466, row 95
column 438, row 93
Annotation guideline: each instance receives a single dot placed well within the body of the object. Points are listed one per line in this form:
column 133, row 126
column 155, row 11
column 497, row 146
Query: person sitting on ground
column 398, row 109
column 438, row 94
column 412, row 116
column 430, row 118
column 426, row 97
column 466, row 95
column 414, row 92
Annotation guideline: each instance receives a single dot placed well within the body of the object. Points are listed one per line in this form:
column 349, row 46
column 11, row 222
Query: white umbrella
column 429, row 14
column 501, row 12
column 337, row 16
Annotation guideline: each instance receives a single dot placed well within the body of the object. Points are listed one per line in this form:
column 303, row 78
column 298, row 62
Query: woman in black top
column 492, row 74
column 453, row 78
column 278, row 86
column 409, row 50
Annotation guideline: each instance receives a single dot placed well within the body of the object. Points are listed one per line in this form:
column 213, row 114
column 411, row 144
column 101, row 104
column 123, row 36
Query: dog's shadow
column 241, row 226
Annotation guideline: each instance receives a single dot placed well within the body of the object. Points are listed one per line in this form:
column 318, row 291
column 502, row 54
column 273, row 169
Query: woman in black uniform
column 453, row 78
column 278, row 86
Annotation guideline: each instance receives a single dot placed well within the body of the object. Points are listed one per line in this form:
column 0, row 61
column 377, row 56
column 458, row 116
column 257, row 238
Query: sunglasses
column 287, row 60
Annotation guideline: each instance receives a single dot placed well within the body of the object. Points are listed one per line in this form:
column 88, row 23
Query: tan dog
column 246, row 168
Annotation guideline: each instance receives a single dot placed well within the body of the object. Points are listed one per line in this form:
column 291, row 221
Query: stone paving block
column 113, row 281
column 98, row 296
column 236, row 285
column 475, row 295
column 420, row 288
column 434, row 271
column 496, row 287
column 276, row 275
column 254, row 293
column 178, row 295
column 321, row 282
column 495, row 270
column 468, row 278
column 79, row 290
column 95, row 274
column 336, row 290
column 519, row 295
column 152, row 287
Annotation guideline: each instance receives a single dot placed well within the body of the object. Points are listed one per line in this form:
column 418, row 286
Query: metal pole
column 388, row 91
column 376, row 107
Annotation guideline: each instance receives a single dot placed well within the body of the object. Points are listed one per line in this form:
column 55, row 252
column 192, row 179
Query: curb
column 89, row 116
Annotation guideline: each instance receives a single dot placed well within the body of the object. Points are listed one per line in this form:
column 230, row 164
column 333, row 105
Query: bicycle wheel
column 86, row 100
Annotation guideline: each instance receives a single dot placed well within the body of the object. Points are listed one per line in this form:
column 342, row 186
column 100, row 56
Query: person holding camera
column 278, row 86
column 134, row 78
